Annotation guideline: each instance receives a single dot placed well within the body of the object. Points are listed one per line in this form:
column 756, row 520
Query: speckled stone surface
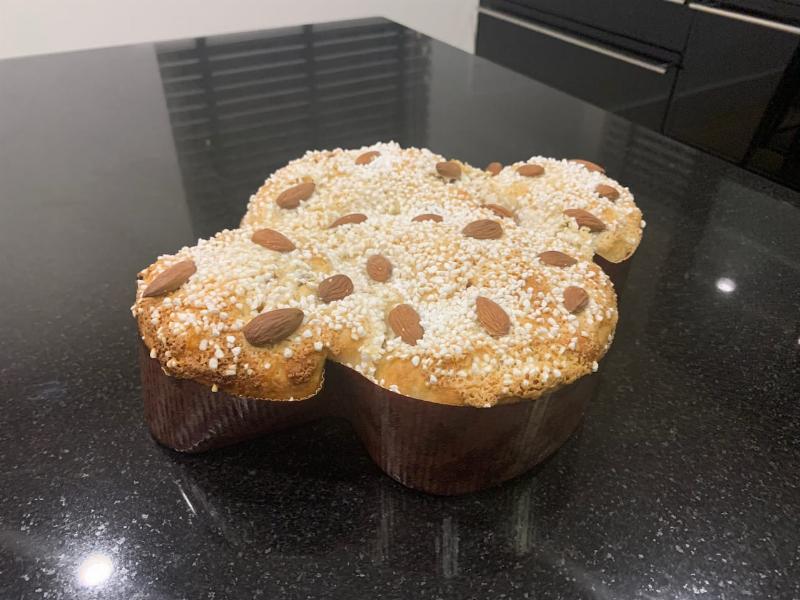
column 682, row 482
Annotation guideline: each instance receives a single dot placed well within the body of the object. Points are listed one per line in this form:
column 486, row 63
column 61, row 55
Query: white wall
column 41, row 26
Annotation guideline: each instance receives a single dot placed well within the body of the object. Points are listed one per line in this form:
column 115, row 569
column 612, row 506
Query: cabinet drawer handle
column 721, row 12
column 660, row 68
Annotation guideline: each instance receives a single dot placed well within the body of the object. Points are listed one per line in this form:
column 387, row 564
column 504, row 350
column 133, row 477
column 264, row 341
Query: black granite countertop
column 682, row 482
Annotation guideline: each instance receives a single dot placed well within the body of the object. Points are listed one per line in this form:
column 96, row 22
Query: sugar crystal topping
column 435, row 268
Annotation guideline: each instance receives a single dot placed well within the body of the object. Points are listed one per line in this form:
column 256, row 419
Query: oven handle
column 730, row 14
column 660, row 68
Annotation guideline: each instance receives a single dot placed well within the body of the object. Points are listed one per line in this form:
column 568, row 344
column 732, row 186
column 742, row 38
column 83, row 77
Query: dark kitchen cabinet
column 659, row 23
column 738, row 91
column 630, row 78
column 723, row 76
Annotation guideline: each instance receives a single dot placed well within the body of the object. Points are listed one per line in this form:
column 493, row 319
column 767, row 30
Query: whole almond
column 346, row 219
column 449, row 169
column 493, row 318
column 367, row 157
column 273, row 240
column 427, row 217
column 530, row 170
column 589, row 165
column 379, row 268
column 607, row 191
column 483, row 229
column 585, row 219
column 494, row 168
column 404, row 321
column 273, row 326
column 554, row 258
column 293, row 196
column 575, row 298
column 500, row 211
column 335, row 287
column 170, row 279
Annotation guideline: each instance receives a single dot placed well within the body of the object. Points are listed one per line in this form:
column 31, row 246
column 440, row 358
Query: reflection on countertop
column 682, row 481
column 241, row 106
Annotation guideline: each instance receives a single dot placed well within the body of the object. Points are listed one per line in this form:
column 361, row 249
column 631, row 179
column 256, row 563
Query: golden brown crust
column 619, row 245
column 566, row 185
column 196, row 331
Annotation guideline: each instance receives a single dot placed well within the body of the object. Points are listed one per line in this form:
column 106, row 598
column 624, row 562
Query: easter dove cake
column 389, row 280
